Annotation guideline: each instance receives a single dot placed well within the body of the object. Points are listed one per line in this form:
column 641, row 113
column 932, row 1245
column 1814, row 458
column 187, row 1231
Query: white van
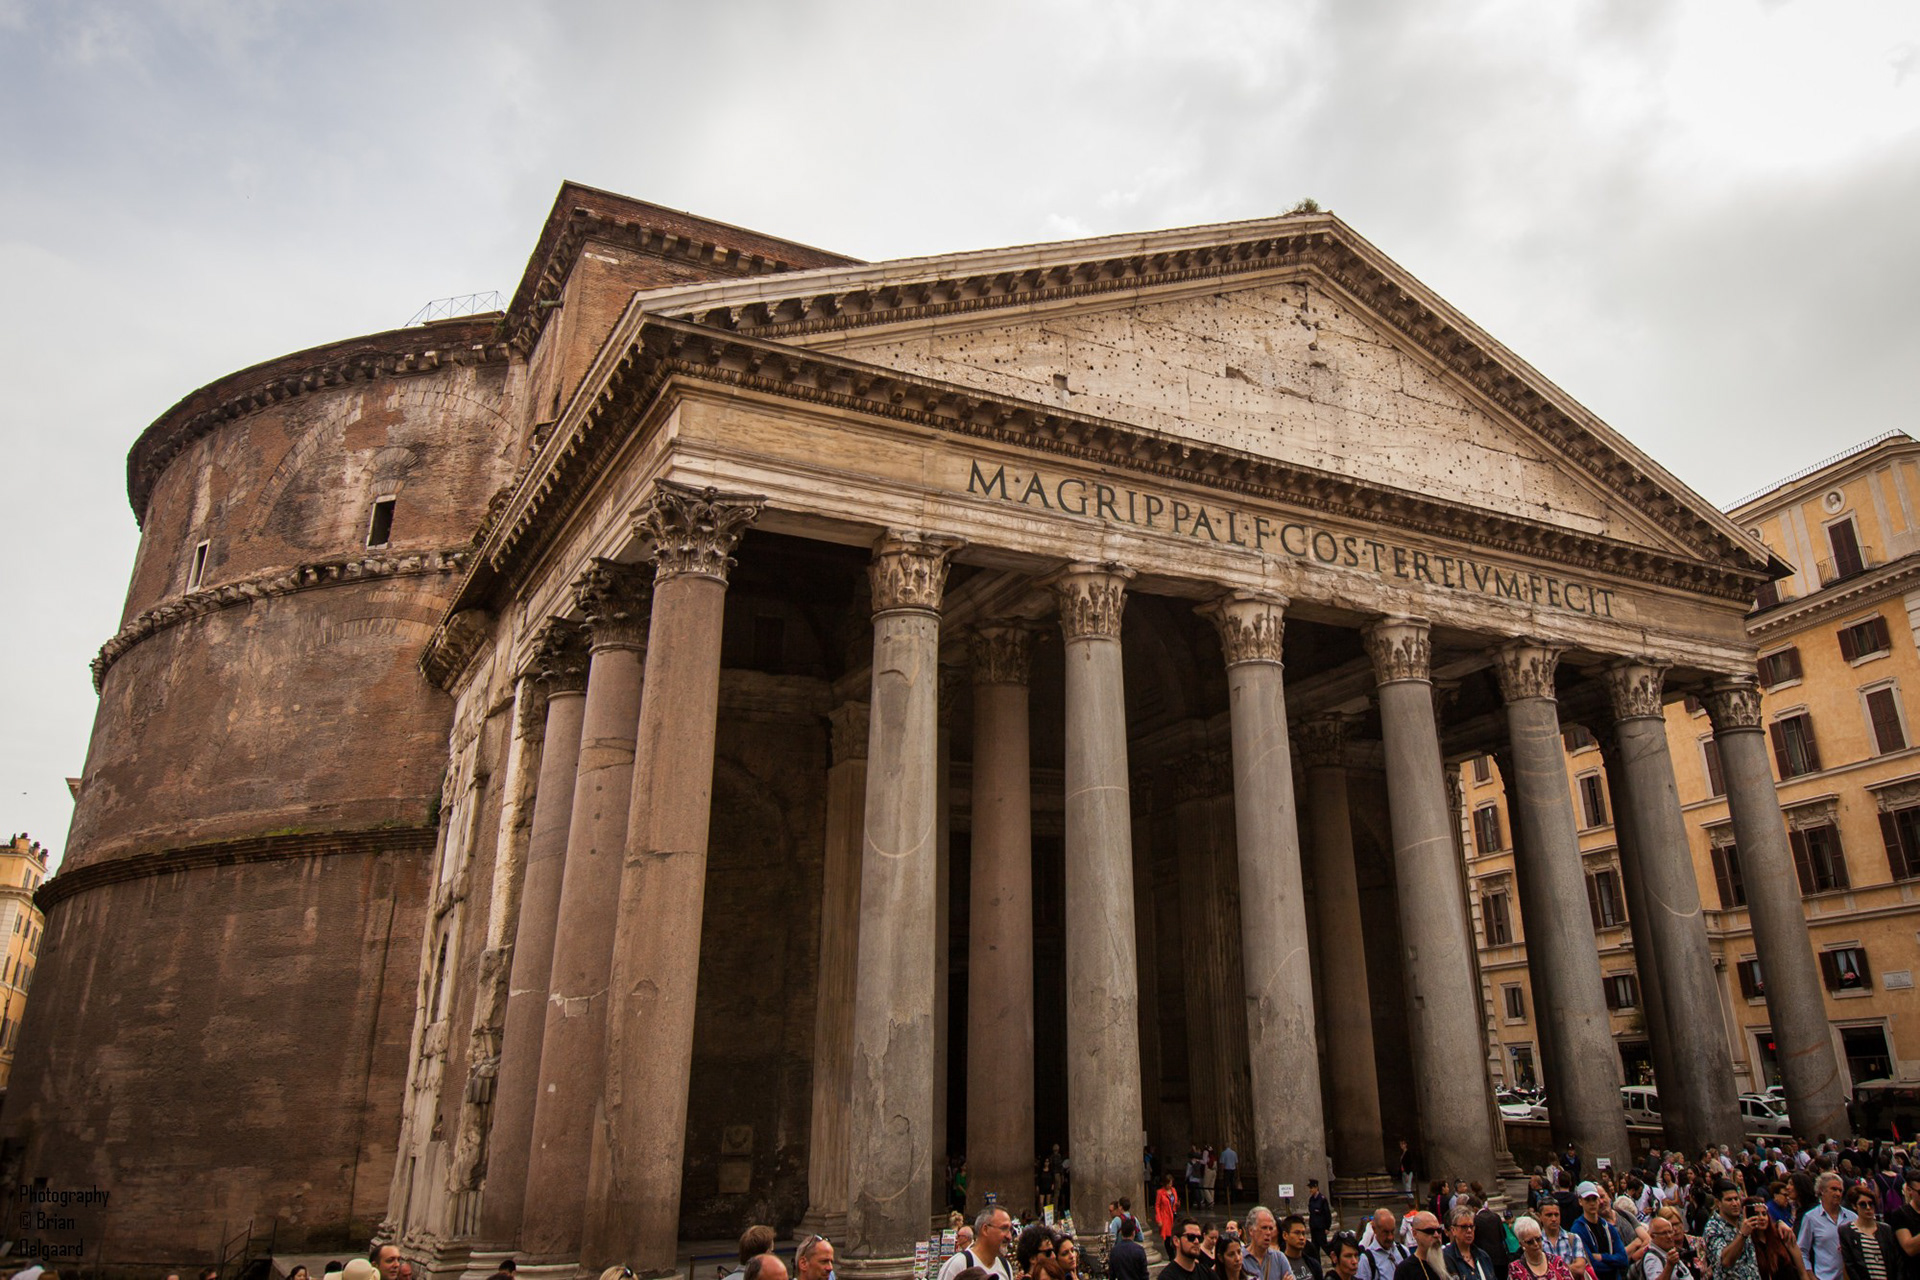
column 1642, row 1103
column 1757, row 1115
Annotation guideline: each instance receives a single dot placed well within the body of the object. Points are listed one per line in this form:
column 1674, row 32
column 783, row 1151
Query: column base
column 831, row 1226
column 873, row 1268
column 1355, row 1198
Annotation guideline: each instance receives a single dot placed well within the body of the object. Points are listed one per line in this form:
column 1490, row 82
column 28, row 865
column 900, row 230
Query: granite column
column 1561, row 948
column 1288, row 1125
column 1443, row 1001
column 560, row 665
column 1000, row 1143
column 615, row 600
column 889, row 1200
column 656, row 951
column 1103, row 1029
column 1671, row 922
column 1796, row 1005
column 1353, row 1085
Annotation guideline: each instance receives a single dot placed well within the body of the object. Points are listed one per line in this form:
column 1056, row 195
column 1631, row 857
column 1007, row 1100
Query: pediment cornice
column 805, row 306
column 631, row 378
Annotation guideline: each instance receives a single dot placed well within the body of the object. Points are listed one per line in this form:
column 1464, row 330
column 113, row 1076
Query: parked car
column 1522, row 1109
column 1758, row 1115
column 1642, row 1103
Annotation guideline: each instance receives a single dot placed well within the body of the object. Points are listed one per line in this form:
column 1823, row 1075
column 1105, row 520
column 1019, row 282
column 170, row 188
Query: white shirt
column 967, row 1258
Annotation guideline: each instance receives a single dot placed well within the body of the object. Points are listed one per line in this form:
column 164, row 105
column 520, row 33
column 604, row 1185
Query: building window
column 1883, row 716
column 1716, row 783
column 1793, row 747
column 1482, row 768
column 380, row 523
column 1868, row 1056
column 1864, row 639
column 1603, row 899
column 1521, row 1056
column 1901, row 831
column 1623, row 991
column 197, row 571
column 1516, row 999
column 1486, row 829
column 1577, row 737
column 1495, row 919
column 1765, row 596
column 1845, row 542
column 1726, row 877
column 1818, row 858
column 1752, row 986
column 1845, row 969
column 1779, row 668
column 1593, row 800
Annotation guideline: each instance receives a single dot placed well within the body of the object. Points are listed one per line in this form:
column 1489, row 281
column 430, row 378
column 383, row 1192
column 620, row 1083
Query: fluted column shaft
column 1670, row 919
column 1796, row 1005
column 1103, row 1029
column 1282, row 1045
column 1443, row 1001
column 572, row 1046
column 1561, row 947
column 561, row 668
column 656, row 952
column 890, row 1193
column 1353, row 1085
column 839, row 952
column 1000, row 1141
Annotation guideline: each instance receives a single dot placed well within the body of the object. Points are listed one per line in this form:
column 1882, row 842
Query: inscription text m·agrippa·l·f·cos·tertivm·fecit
column 1297, row 539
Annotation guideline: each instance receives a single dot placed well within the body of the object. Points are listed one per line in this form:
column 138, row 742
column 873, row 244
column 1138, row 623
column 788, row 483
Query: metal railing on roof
column 467, row 304
column 1804, row 472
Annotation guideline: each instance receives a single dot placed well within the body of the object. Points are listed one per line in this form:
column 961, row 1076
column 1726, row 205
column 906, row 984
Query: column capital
column 1092, row 598
column 1635, row 689
column 849, row 723
column 1401, row 648
column 1524, row 669
column 1733, row 704
column 693, row 531
column 617, row 602
column 1251, row 624
column 909, row 571
column 1002, row 653
column 559, row 658
column 1321, row 741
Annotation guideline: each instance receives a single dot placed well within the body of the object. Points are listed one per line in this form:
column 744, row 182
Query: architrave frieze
column 260, row 586
column 635, row 388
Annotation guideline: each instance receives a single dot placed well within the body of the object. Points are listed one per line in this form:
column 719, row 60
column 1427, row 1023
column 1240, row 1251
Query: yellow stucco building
column 23, row 865
column 1840, row 665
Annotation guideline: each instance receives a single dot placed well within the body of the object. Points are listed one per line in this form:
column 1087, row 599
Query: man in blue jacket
column 1605, row 1247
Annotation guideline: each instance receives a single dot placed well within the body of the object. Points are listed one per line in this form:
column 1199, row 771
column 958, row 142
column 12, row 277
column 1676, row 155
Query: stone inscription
column 1297, row 539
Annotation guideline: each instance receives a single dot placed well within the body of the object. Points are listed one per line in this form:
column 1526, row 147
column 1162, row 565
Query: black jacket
column 1464, row 1269
column 1855, row 1261
column 1490, row 1238
column 1127, row 1260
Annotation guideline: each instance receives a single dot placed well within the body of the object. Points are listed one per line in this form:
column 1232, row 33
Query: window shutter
column 1848, row 649
column 1716, row 785
column 1612, row 989
column 1830, row 970
column 1813, row 748
column 1801, row 863
column 1721, row 880
column 1791, row 659
column 1866, row 973
column 1778, row 732
column 1887, row 734
column 1877, row 635
column 1593, row 903
column 1766, row 596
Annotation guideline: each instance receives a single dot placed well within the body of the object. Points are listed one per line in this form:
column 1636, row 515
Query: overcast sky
column 1701, row 219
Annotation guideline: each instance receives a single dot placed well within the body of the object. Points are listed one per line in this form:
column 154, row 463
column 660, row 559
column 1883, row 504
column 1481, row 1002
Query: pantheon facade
column 744, row 724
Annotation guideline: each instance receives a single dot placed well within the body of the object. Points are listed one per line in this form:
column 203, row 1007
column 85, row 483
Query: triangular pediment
column 1291, row 339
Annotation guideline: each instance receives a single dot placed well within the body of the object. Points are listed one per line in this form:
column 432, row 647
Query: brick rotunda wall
column 224, row 1001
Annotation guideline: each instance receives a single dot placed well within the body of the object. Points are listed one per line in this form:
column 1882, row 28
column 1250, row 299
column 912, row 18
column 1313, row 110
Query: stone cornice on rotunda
column 470, row 340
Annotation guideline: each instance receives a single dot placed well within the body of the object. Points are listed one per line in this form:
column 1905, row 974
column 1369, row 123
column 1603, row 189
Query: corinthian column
column 1449, row 1037
column 891, row 1153
column 560, row 665
column 1000, row 948
column 1670, row 922
column 1103, row 1029
column 833, row 1001
column 1282, row 1047
column 615, row 599
column 1796, row 1006
column 656, row 952
column 1353, row 1086
column 1585, row 1085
